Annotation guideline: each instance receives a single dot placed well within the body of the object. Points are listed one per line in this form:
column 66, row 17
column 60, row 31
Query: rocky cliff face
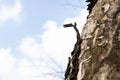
column 98, row 56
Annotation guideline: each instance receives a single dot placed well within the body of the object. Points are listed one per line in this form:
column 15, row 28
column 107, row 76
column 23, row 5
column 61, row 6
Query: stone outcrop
column 98, row 56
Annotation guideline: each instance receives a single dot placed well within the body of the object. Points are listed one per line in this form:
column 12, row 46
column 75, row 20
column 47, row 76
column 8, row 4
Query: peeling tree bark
column 99, row 56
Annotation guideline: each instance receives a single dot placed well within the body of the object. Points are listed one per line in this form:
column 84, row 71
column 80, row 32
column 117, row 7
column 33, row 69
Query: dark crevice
column 91, row 4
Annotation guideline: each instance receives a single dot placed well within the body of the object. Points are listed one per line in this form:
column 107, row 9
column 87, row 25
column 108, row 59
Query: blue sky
column 33, row 16
column 32, row 36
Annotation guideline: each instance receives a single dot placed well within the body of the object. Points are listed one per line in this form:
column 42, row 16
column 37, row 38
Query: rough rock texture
column 98, row 56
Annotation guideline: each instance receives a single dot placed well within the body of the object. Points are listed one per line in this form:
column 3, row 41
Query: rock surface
column 98, row 56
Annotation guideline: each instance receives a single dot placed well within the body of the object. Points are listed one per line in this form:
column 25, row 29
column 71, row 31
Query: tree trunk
column 98, row 56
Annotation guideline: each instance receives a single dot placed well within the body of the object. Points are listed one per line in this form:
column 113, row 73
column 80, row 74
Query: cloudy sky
column 33, row 43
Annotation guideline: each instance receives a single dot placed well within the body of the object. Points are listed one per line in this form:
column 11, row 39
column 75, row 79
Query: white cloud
column 30, row 47
column 21, row 69
column 31, row 71
column 8, row 69
column 10, row 11
column 6, row 61
column 58, row 41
